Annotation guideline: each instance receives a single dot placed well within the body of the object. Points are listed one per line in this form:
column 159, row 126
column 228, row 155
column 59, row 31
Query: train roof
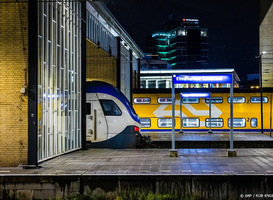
column 100, row 87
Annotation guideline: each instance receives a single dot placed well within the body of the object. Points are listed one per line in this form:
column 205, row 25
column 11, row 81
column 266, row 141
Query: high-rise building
column 182, row 43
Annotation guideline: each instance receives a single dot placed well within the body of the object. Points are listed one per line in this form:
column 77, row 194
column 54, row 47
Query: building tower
column 182, row 43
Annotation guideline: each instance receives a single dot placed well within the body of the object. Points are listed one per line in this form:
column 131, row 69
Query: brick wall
column 99, row 65
column 13, row 66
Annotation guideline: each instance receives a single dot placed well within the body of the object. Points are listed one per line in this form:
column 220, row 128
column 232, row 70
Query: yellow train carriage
column 155, row 111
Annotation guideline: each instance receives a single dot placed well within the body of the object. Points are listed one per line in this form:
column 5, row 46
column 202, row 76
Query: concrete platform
column 211, row 140
column 154, row 162
column 204, row 173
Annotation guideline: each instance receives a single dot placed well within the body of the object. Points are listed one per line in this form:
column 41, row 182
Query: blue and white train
column 111, row 121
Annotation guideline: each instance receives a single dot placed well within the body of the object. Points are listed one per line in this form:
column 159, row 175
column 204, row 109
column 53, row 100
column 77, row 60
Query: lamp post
column 261, row 88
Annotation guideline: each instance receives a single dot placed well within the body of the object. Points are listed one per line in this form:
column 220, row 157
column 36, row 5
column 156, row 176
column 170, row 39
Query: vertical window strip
column 58, row 67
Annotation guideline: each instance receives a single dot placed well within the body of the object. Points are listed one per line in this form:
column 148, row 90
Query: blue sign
column 206, row 78
column 195, row 95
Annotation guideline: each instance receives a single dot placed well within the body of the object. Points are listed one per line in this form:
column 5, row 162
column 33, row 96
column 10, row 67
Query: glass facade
column 98, row 34
column 125, row 76
column 59, row 78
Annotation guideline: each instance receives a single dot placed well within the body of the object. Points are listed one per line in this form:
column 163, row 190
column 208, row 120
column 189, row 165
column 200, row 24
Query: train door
column 96, row 127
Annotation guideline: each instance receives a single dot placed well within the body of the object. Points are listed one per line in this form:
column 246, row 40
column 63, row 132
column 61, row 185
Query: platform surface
column 153, row 162
column 215, row 136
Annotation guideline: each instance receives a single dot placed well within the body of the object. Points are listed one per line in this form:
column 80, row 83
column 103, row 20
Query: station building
column 48, row 50
column 266, row 43
column 162, row 78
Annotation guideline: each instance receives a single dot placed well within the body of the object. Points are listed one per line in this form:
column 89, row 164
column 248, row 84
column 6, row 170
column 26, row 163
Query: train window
column 215, row 122
column 164, row 100
column 190, row 100
column 258, row 99
column 190, row 122
column 214, row 100
column 238, row 122
column 152, row 84
column 253, row 122
column 237, row 99
column 145, row 122
column 88, row 108
column 110, row 108
column 142, row 100
column 164, row 122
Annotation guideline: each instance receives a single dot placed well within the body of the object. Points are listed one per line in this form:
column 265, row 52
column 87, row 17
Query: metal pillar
column 173, row 151
column 261, row 91
column 32, row 85
column 181, row 116
column 231, row 151
column 209, row 116
column 270, row 115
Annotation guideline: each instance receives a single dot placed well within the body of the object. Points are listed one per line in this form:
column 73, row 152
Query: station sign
column 195, row 95
column 208, row 78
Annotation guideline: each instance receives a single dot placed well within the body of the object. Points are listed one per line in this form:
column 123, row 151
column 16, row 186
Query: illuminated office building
column 182, row 43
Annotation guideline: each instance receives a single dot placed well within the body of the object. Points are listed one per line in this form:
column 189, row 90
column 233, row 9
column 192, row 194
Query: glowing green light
column 164, row 53
column 162, row 39
column 160, row 45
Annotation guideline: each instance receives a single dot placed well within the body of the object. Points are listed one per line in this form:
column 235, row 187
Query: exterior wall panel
column 266, row 43
column 13, row 77
column 59, row 78
column 99, row 65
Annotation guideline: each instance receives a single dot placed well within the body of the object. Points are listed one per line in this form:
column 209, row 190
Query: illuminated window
column 145, row 122
column 190, row 122
column 258, row 99
column 190, row 100
column 142, row 100
column 237, row 99
column 181, row 32
column 164, row 122
column 214, row 100
column 215, row 122
column 204, row 33
column 238, row 122
column 164, row 100
column 253, row 122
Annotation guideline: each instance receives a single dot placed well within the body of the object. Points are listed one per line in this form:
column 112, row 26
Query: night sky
column 233, row 26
